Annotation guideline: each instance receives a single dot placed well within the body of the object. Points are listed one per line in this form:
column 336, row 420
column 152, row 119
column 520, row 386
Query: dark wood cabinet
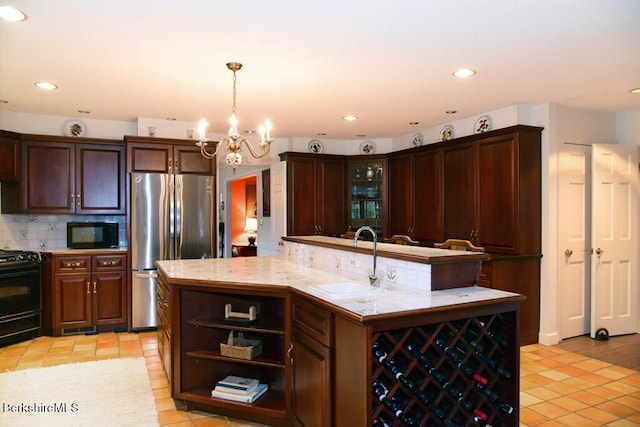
column 485, row 188
column 312, row 369
column 165, row 339
column 84, row 293
column 68, row 176
column 415, row 195
column 491, row 190
column 162, row 155
column 367, row 185
column 316, row 194
column 9, row 156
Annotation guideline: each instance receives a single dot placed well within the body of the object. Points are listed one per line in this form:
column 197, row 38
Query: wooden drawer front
column 313, row 320
column 72, row 264
column 109, row 262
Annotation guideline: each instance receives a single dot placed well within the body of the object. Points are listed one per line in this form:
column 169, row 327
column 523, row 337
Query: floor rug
column 113, row 392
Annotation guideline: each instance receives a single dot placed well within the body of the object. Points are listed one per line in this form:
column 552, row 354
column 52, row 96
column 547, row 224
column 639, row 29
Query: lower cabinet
column 84, row 293
column 312, row 339
column 164, row 326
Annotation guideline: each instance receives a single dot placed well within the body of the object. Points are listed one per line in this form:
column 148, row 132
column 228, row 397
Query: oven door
column 19, row 290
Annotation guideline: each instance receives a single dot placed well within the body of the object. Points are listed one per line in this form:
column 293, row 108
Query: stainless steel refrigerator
column 172, row 217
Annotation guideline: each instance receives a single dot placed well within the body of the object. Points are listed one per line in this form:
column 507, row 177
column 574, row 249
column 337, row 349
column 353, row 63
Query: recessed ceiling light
column 84, row 111
column 11, row 14
column 414, row 123
column 636, row 90
column 46, row 85
column 350, row 118
column 361, row 135
column 321, row 134
column 171, row 119
column 249, row 131
column 3, row 101
column 451, row 111
column 464, row 72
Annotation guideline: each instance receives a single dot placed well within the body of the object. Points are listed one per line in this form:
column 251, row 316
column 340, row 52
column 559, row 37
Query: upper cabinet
column 64, row 175
column 367, row 191
column 9, row 156
column 160, row 155
column 316, row 195
column 484, row 188
column 495, row 199
column 415, row 198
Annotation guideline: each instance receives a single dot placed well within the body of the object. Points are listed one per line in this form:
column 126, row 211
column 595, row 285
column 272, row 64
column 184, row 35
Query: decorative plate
column 446, row 133
column 367, row 147
column 74, row 127
column 417, row 140
column 315, row 146
column 483, row 124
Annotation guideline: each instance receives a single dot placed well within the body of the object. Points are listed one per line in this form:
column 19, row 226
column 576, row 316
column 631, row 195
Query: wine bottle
column 480, row 414
column 422, row 358
column 453, row 390
column 501, row 341
column 380, row 422
column 379, row 390
column 506, row 407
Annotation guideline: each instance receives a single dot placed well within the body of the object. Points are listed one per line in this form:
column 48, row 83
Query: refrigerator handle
column 146, row 275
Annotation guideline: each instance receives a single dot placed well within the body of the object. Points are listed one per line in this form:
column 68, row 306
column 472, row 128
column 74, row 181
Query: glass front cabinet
column 367, row 205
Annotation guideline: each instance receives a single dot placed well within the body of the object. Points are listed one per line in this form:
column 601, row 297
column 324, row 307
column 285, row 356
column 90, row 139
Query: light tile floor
column 557, row 388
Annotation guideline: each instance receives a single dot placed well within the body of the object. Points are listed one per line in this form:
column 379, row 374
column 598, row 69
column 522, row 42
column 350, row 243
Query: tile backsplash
column 46, row 231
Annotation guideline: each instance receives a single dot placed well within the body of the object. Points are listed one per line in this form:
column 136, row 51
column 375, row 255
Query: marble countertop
column 278, row 272
column 422, row 254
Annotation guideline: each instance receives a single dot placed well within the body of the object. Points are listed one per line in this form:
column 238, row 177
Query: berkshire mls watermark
column 27, row 408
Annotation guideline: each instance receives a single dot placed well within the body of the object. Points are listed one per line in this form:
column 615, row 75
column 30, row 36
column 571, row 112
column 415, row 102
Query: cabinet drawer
column 109, row 262
column 72, row 264
column 313, row 320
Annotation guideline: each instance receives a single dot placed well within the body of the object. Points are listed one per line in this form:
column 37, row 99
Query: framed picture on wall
column 266, row 192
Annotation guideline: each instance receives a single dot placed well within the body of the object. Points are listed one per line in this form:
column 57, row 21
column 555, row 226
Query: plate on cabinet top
column 483, row 124
column 417, row 140
column 315, row 146
column 74, row 127
column 367, row 147
column 446, row 133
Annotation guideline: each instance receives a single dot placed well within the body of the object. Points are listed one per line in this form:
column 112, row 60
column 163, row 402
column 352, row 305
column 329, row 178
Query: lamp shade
column 251, row 225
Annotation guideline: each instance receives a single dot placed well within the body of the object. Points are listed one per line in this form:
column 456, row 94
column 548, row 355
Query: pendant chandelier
column 233, row 141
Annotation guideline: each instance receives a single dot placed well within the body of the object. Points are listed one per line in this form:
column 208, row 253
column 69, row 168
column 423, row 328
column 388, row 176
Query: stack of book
column 239, row 389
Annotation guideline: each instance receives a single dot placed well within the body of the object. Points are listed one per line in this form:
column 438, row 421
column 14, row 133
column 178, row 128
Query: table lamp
column 251, row 228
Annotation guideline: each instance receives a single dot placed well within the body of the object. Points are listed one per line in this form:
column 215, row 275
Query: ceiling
column 309, row 63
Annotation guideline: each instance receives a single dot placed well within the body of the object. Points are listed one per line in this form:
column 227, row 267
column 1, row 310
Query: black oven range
column 20, row 296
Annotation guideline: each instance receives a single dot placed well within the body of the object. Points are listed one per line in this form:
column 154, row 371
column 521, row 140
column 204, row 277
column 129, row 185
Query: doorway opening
column 242, row 228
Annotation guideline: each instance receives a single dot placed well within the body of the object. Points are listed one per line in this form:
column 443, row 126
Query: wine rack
column 458, row 373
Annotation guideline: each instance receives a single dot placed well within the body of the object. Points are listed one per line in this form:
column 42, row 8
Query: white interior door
column 574, row 266
column 614, row 277
column 275, row 224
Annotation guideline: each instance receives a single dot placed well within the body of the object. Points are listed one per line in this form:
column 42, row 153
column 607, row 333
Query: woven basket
column 240, row 347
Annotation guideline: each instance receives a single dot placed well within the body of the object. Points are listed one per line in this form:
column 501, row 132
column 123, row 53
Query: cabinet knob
column 77, row 199
column 88, row 290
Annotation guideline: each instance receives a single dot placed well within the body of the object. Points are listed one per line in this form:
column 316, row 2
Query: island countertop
column 280, row 274
column 419, row 254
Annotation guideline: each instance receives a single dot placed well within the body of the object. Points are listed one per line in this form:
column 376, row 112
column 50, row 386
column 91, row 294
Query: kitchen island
column 335, row 351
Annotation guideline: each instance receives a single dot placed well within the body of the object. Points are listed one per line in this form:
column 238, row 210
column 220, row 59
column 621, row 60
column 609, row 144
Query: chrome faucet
column 373, row 279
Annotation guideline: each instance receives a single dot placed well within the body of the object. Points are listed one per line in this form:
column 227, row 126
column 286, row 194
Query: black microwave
column 91, row 235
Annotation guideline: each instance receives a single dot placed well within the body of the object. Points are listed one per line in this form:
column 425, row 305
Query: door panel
column 459, row 192
column 614, row 286
column 574, row 237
